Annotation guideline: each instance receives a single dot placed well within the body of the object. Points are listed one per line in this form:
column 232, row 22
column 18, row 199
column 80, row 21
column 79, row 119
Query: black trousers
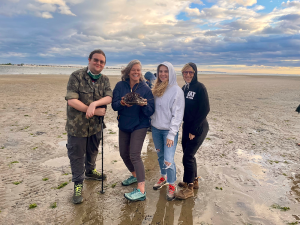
column 190, row 147
column 82, row 152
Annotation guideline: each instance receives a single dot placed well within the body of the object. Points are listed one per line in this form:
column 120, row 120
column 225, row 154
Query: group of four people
column 166, row 105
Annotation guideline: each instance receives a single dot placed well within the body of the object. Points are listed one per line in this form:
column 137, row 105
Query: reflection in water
column 165, row 210
column 91, row 210
column 164, row 213
column 112, row 208
column 132, row 213
column 186, row 213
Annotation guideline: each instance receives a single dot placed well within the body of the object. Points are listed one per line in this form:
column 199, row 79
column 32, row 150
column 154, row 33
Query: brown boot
column 196, row 184
column 182, row 185
column 186, row 193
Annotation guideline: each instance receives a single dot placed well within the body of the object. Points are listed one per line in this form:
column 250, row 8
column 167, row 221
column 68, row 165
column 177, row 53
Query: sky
column 255, row 36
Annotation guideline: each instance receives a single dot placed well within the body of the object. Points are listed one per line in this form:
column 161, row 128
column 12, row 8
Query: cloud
column 42, row 7
column 57, row 2
column 65, row 10
column 45, row 15
column 244, row 2
column 295, row 4
column 235, row 40
column 13, row 54
column 232, row 3
column 39, row 8
column 291, row 17
column 192, row 11
column 221, row 11
column 224, row 32
column 258, row 8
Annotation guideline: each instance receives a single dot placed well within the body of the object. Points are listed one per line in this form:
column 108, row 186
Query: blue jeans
column 165, row 154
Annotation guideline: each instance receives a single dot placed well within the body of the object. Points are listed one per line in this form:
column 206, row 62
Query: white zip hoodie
column 169, row 108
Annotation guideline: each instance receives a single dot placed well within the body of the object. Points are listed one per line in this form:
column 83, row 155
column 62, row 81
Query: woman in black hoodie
column 195, row 128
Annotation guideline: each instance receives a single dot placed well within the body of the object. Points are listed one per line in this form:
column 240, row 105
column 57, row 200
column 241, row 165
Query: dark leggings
column 130, row 150
column 190, row 147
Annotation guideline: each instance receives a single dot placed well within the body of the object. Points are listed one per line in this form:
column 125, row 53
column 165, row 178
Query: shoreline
column 178, row 75
column 67, row 70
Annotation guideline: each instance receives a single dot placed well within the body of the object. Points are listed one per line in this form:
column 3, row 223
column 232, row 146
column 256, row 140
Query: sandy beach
column 248, row 163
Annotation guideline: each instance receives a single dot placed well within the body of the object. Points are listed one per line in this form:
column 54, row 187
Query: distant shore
column 67, row 70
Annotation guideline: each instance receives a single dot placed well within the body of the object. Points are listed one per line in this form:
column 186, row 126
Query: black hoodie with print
column 196, row 104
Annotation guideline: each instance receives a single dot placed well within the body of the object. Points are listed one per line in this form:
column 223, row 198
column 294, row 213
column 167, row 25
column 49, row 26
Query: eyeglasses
column 97, row 60
column 188, row 72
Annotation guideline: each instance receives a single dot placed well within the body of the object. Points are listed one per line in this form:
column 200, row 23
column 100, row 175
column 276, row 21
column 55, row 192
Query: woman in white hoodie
column 166, row 120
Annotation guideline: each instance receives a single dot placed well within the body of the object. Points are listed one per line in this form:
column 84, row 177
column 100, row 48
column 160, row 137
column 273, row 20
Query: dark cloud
column 291, row 17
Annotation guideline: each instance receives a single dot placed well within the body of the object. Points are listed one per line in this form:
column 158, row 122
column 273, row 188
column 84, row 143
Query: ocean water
column 15, row 70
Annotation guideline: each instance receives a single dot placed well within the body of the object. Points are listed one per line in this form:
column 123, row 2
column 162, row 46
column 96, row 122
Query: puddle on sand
column 57, row 162
column 62, row 143
column 236, row 204
column 256, row 169
column 112, row 208
column 246, row 155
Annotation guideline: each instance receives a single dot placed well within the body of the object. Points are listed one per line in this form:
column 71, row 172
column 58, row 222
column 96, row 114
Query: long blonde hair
column 159, row 87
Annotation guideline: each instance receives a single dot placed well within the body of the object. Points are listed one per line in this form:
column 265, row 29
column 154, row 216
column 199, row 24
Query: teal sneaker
column 135, row 195
column 129, row 181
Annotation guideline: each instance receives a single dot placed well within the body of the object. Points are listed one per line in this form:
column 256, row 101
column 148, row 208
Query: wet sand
column 250, row 152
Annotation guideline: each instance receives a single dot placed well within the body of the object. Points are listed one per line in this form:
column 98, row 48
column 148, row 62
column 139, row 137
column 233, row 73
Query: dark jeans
column 190, row 147
column 82, row 152
column 130, row 150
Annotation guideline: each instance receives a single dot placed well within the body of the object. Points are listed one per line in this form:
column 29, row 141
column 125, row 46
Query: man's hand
column 170, row 143
column 100, row 111
column 191, row 137
column 90, row 112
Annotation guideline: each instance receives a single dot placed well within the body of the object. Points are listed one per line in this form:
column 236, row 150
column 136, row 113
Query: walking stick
column 102, row 191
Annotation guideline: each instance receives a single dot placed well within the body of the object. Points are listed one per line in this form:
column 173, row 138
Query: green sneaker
column 95, row 175
column 129, row 181
column 135, row 195
column 77, row 197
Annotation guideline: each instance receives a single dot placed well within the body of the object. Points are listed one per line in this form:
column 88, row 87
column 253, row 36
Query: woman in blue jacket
column 133, row 124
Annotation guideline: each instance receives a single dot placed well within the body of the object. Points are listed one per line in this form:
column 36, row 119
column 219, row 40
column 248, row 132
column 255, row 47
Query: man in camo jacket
column 88, row 93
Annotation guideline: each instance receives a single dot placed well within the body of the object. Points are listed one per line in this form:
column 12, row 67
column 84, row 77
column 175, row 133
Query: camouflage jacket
column 81, row 87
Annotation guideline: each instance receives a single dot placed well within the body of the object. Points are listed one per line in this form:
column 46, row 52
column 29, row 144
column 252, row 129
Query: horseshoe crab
column 133, row 98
